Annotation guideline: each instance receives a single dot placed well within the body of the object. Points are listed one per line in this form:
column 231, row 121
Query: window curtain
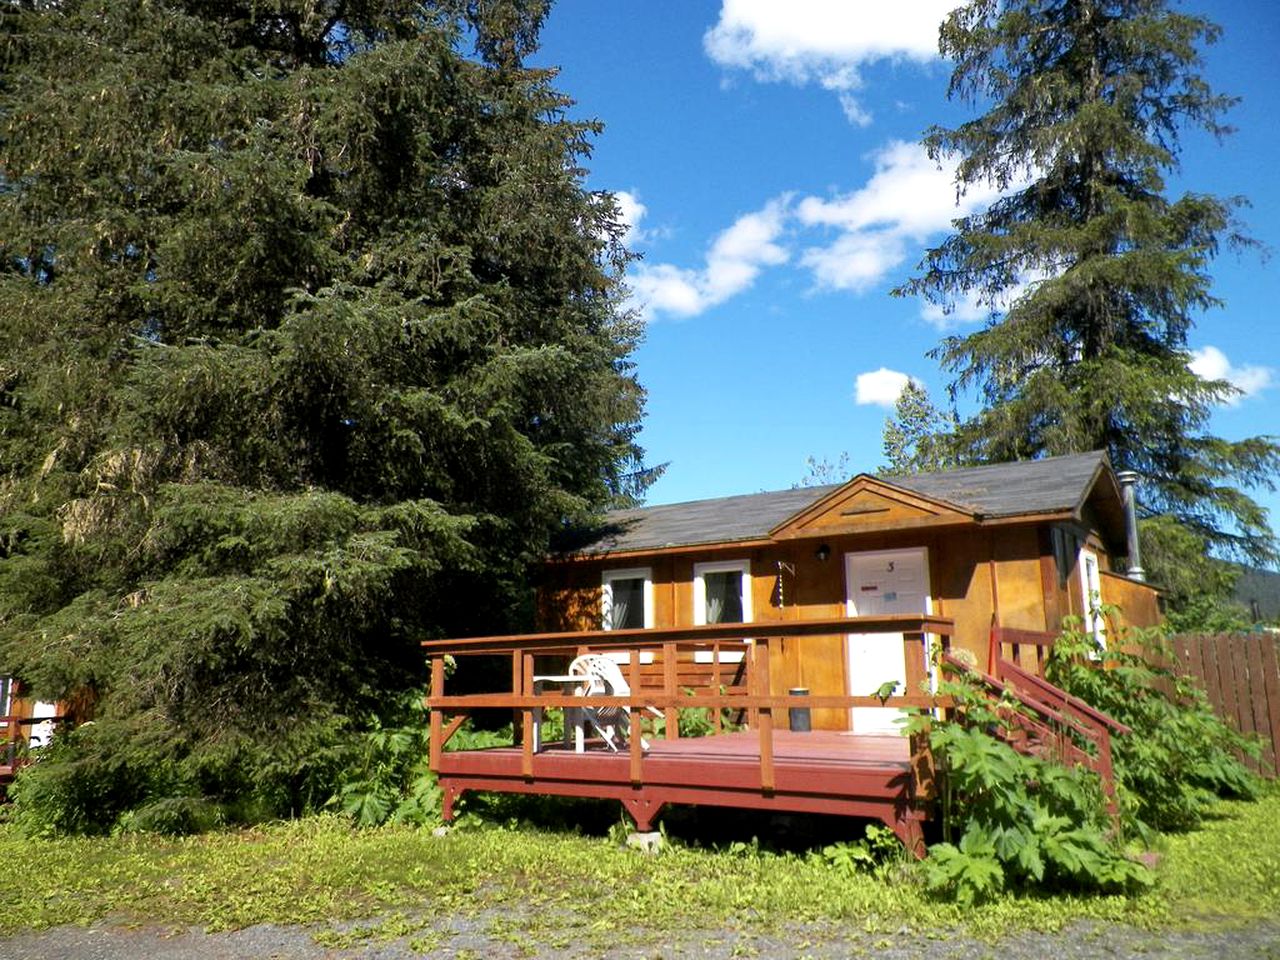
column 724, row 597
column 621, row 605
column 626, row 604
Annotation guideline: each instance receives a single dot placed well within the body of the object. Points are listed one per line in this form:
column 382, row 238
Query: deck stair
column 1053, row 724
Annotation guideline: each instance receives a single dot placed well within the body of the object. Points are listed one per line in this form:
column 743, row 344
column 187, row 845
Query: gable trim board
column 868, row 503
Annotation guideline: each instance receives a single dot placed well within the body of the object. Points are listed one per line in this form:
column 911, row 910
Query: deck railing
column 761, row 704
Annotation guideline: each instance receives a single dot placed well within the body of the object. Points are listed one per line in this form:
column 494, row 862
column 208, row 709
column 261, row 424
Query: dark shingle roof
column 746, row 517
column 1052, row 485
column 1012, row 489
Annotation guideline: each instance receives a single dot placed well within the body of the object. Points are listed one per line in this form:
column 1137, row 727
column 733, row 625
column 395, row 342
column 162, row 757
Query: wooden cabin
column 25, row 725
column 832, row 599
column 1021, row 545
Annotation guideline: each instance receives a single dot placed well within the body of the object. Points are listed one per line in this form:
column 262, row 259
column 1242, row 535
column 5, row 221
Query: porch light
column 822, row 553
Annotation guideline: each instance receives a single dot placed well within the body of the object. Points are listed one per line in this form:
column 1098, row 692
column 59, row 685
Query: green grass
column 396, row 880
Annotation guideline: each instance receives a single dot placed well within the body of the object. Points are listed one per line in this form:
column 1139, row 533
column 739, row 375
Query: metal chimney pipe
column 1128, row 493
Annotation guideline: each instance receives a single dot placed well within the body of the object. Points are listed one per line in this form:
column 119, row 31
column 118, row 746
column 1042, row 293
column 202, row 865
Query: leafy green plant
column 101, row 778
column 1017, row 820
column 393, row 780
column 879, row 847
column 1180, row 757
column 697, row 721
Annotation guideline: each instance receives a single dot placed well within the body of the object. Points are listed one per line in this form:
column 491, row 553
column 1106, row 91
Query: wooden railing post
column 916, row 660
column 526, row 716
column 517, row 685
column 437, row 728
column 633, row 715
column 672, row 712
column 1106, row 771
column 764, row 717
column 715, row 684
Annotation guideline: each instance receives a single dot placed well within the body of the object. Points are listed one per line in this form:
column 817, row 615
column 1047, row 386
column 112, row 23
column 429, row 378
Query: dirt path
column 496, row 936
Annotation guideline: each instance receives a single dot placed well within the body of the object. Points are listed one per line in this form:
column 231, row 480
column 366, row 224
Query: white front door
column 878, row 583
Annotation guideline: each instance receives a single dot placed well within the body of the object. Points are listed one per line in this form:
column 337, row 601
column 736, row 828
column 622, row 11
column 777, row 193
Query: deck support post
column 643, row 811
column 911, row 833
column 447, row 802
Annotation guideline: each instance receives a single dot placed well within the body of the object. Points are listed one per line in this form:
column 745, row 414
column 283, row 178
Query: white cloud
column 907, row 199
column 822, row 41
column 856, row 260
column 1210, row 363
column 733, row 262
column 879, row 388
column 630, row 211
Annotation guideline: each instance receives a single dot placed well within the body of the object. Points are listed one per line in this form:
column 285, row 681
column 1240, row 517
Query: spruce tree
column 311, row 337
column 919, row 437
column 1083, row 106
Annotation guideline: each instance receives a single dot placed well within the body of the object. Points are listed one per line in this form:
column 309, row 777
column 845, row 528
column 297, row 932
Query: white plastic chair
column 602, row 677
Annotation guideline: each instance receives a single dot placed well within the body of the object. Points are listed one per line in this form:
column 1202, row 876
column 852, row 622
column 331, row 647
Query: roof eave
column 666, row 550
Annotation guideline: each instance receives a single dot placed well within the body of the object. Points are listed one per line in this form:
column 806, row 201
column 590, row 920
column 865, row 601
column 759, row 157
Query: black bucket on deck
column 799, row 717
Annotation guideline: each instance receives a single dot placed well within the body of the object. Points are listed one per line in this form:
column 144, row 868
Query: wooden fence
column 1241, row 674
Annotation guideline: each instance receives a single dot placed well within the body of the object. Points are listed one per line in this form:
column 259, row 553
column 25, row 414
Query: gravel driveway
column 475, row 938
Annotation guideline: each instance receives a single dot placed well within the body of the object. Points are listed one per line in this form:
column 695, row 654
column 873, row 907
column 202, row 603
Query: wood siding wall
column 973, row 573
column 970, row 573
column 1138, row 603
column 1241, row 674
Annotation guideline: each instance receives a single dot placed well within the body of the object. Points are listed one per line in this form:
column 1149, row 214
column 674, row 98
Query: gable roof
column 1051, row 485
column 1054, row 485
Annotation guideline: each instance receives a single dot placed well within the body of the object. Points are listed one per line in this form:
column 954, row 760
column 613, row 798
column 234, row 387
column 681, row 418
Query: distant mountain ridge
column 1262, row 586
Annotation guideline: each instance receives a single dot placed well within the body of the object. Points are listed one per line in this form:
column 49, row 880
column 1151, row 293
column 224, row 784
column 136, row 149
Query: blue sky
column 766, row 154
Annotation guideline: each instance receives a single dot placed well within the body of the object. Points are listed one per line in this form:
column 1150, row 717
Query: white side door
column 1091, row 590
column 879, row 583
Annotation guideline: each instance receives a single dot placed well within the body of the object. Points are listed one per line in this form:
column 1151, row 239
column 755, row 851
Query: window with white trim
column 722, row 592
column 627, row 599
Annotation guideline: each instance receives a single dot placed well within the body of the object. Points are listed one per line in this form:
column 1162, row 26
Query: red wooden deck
column 766, row 767
column 818, row 772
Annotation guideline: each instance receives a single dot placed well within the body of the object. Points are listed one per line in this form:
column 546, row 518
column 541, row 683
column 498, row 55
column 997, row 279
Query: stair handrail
column 1050, row 713
column 1053, row 692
